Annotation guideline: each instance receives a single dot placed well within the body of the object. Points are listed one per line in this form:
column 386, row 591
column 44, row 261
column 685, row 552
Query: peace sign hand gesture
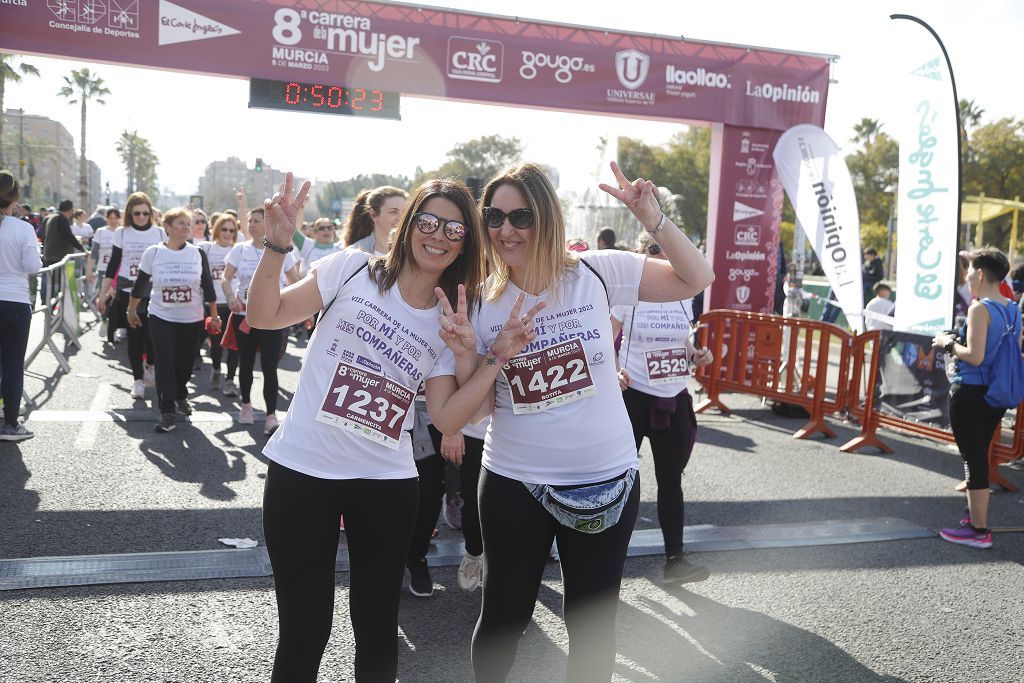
column 639, row 196
column 518, row 331
column 283, row 210
column 456, row 331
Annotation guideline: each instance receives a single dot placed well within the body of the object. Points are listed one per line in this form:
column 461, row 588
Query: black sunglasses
column 521, row 219
column 654, row 249
column 140, row 213
column 428, row 223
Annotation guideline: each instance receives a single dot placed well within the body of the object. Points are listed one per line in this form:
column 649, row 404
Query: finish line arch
column 747, row 95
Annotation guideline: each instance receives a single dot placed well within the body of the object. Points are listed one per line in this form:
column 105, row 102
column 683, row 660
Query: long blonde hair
column 549, row 260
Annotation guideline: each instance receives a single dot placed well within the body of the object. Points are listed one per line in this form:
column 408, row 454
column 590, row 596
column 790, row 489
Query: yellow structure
column 981, row 209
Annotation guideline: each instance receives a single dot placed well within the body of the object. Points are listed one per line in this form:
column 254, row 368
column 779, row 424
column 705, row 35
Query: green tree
column 14, row 74
column 866, row 130
column 342, row 190
column 872, row 169
column 479, row 158
column 139, row 161
column 970, row 117
column 80, row 87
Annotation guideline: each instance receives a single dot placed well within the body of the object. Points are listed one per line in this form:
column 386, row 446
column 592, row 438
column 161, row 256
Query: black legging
column 138, row 337
column 216, row 350
column 517, row 533
column 269, row 344
column 13, row 344
column 174, row 348
column 671, row 450
column 973, row 422
column 300, row 523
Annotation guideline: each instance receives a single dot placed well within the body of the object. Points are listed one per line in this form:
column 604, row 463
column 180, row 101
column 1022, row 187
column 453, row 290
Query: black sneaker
column 166, row 423
column 183, row 407
column 420, row 583
column 678, row 570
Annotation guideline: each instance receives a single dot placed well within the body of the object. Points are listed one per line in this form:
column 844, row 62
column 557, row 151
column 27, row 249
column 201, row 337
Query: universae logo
column 631, row 66
column 742, row 294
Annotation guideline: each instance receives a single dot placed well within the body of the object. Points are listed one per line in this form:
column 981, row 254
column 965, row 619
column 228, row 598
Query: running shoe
column 967, row 535
column 679, row 570
column 120, row 334
column 215, row 380
column 271, row 425
column 139, row 389
column 183, row 406
column 17, row 433
column 149, row 375
column 229, row 388
column 245, row 416
column 471, row 572
column 420, row 583
column 453, row 512
column 166, row 423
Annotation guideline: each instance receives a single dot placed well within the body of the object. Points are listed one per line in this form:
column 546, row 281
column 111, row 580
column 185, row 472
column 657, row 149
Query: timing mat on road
column 81, row 570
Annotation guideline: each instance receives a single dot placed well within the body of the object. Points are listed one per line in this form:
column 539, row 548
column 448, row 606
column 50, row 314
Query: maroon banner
column 743, row 228
column 435, row 53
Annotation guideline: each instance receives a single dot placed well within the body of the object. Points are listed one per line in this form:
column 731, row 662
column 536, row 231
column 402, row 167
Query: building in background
column 219, row 182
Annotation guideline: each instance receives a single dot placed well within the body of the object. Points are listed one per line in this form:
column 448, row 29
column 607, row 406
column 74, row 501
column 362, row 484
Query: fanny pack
column 590, row 508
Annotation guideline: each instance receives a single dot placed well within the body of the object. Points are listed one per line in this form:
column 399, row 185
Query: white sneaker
column 471, row 572
column 139, row 389
column 120, row 334
column 271, row 424
column 229, row 388
column 17, row 433
column 245, row 416
column 149, row 375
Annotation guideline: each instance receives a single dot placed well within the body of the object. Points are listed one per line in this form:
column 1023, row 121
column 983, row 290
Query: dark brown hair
column 360, row 219
column 992, row 261
column 9, row 190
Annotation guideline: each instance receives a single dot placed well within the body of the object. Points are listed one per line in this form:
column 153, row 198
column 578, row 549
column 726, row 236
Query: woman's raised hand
column 639, row 196
column 456, row 331
column 283, row 211
column 517, row 331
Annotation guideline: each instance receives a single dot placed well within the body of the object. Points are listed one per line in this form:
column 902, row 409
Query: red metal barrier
column 784, row 359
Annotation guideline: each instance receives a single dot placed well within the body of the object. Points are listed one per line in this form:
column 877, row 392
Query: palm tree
column 866, row 130
column 970, row 117
column 139, row 162
column 79, row 88
column 9, row 73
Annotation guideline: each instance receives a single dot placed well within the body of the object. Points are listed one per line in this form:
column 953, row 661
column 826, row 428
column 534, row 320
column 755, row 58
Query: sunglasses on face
column 428, row 223
column 325, row 228
column 654, row 249
column 228, row 230
column 140, row 213
column 520, row 219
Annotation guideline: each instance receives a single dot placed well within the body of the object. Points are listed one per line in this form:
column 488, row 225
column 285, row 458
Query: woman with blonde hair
column 548, row 474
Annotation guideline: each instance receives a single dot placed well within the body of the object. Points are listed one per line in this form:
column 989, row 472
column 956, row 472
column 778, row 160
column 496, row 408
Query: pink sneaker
column 245, row 416
column 967, row 535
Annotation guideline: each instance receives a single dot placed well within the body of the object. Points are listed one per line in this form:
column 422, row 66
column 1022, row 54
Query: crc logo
column 631, row 67
column 747, row 235
column 742, row 294
column 563, row 65
column 475, row 59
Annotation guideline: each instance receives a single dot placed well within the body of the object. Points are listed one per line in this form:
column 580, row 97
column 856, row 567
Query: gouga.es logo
column 475, row 59
column 564, row 66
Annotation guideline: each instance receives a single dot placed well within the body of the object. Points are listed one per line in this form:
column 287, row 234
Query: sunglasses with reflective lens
column 521, row 219
column 654, row 249
column 428, row 223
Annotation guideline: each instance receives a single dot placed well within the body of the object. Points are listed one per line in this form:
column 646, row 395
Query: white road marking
column 86, row 438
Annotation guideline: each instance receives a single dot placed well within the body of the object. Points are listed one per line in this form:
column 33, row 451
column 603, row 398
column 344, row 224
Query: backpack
column 1006, row 384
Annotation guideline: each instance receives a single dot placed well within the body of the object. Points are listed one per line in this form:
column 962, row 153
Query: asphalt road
column 920, row 610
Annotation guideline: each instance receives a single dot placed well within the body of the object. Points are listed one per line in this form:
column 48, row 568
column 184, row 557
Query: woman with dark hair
column 372, row 218
column 972, row 419
column 19, row 261
column 654, row 369
column 242, row 261
column 547, row 473
column 225, row 232
column 128, row 245
column 343, row 447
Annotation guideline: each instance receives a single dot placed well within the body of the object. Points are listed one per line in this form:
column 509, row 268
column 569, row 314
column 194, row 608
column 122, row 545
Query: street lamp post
column 21, row 144
column 890, row 257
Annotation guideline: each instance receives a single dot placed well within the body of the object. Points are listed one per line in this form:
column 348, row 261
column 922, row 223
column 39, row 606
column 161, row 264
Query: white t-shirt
column 882, row 307
column 102, row 245
column 579, row 437
column 216, row 254
column 312, row 252
column 81, row 230
column 654, row 350
column 133, row 243
column 245, row 257
column 19, row 258
column 478, row 430
column 364, row 341
column 176, row 274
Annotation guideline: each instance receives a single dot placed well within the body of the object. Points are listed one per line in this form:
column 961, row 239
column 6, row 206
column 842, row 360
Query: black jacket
column 59, row 240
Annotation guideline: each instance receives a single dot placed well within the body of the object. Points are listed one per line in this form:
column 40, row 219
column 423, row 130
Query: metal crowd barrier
column 787, row 360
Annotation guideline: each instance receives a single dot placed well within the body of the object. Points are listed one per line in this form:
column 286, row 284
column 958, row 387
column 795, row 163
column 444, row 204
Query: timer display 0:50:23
column 333, row 96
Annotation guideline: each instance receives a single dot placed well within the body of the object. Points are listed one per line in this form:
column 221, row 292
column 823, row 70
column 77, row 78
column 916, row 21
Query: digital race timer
column 324, row 98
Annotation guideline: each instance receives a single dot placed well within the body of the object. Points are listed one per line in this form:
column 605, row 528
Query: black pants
column 671, row 449
column 517, row 533
column 17, row 320
column 300, row 522
column 138, row 337
column 216, row 350
column 973, row 422
column 269, row 344
column 174, row 348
